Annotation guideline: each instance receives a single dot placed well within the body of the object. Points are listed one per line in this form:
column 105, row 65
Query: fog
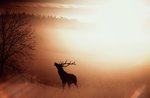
column 93, row 80
column 108, row 64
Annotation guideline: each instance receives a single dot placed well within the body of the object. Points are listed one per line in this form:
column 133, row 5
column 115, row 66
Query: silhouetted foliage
column 16, row 40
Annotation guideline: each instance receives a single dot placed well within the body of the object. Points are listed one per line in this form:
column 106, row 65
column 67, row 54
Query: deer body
column 66, row 77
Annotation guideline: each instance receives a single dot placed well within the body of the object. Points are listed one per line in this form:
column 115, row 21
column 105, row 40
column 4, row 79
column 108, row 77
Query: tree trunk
column 1, row 70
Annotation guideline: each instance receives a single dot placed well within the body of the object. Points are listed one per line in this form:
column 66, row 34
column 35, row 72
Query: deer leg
column 69, row 85
column 76, row 84
column 63, row 85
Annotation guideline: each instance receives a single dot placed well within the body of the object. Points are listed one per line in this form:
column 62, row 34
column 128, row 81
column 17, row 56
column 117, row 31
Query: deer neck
column 60, row 71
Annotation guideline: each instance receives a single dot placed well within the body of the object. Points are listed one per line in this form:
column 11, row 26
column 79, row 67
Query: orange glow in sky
column 120, row 36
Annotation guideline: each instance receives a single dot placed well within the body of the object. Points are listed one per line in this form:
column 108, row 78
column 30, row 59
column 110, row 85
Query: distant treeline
column 51, row 21
column 54, row 21
column 46, row 20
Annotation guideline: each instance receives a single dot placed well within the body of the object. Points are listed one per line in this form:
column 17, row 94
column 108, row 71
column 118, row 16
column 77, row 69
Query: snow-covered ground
column 21, row 88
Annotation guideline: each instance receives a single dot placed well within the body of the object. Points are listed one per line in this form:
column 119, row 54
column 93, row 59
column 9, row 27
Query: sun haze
column 117, row 35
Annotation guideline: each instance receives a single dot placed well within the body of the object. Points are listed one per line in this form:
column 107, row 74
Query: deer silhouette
column 64, row 76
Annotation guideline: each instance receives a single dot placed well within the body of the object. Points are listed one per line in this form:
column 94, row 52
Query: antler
column 65, row 64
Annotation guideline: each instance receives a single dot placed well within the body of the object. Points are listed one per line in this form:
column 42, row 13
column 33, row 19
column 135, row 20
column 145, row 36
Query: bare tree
column 16, row 38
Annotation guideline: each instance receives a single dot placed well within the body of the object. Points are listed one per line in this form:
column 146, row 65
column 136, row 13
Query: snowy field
column 20, row 88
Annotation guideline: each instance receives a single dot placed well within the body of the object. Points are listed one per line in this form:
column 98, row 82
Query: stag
column 64, row 76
